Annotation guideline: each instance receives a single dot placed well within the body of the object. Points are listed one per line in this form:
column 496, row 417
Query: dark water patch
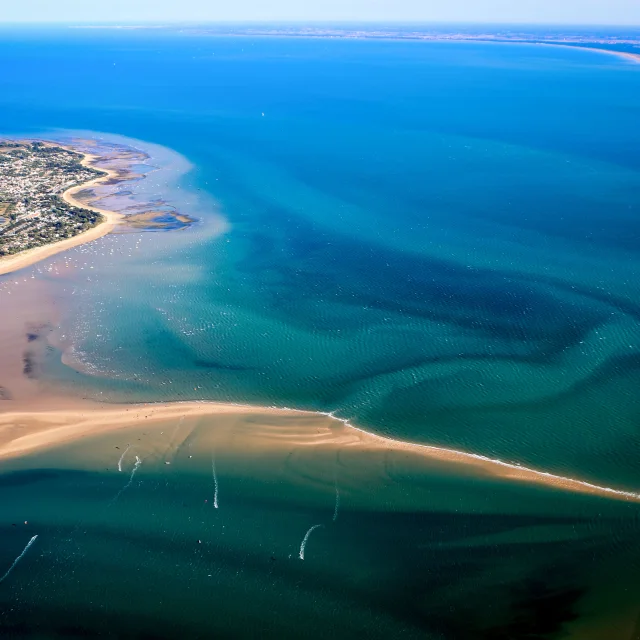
column 592, row 226
column 212, row 364
column 360, row 275
column 28, row 477
column 595, row 293
column 536, row 611
column 29, row 365
column 76, row 621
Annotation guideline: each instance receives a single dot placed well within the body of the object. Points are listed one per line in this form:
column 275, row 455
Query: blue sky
column 623, row 12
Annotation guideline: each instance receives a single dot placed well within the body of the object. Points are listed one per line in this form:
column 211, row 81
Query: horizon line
column 300, row 21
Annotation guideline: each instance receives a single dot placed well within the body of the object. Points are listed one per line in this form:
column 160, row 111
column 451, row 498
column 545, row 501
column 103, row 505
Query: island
column 34, row 177
column 55, row 196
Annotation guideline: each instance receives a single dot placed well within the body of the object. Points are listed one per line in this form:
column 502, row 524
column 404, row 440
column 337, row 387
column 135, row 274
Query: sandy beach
column 267, row 430
column 24, row 259
column 631, row 57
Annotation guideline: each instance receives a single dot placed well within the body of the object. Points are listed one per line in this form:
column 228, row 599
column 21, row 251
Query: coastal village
column 33, row 213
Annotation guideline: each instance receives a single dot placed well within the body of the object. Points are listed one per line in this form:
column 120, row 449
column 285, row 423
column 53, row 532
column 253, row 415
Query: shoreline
column 54, row 427
column 588, row 46
column 24, row 259
column 627, row 55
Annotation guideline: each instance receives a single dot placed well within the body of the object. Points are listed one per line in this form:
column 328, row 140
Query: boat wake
column 136, row 466
column 15, row 562
column 306, row 539
column 215, row 482
column 122, row 458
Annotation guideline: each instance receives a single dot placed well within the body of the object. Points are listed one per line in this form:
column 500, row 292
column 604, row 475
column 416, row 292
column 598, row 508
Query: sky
column 619, row 12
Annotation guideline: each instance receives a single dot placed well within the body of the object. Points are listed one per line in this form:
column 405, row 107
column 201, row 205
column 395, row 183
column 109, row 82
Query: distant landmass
column 624, row 40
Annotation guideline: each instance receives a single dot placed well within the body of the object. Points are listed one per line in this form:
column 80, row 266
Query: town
column 33, row 177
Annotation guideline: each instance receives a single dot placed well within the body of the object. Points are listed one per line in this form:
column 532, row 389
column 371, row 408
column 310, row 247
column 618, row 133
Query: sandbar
column 24, row 432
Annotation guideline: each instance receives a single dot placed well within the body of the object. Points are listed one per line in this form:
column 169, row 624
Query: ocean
column 438, row 242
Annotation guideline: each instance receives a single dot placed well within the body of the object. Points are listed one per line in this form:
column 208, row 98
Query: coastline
column 23, row 432
column 626, row 55
column 588, row 46
column 632, row 57
column 9, row 264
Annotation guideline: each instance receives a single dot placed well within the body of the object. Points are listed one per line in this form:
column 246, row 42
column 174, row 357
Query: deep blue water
column 438, row 241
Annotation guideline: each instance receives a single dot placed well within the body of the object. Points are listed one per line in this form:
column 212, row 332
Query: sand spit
column 111, row 218
column 627, row 55
column 24, row 432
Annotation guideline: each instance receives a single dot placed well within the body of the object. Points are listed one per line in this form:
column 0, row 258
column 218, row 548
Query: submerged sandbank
column 26, row 432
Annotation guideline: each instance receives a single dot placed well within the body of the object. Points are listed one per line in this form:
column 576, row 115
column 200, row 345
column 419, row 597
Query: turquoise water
column 438, row 241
